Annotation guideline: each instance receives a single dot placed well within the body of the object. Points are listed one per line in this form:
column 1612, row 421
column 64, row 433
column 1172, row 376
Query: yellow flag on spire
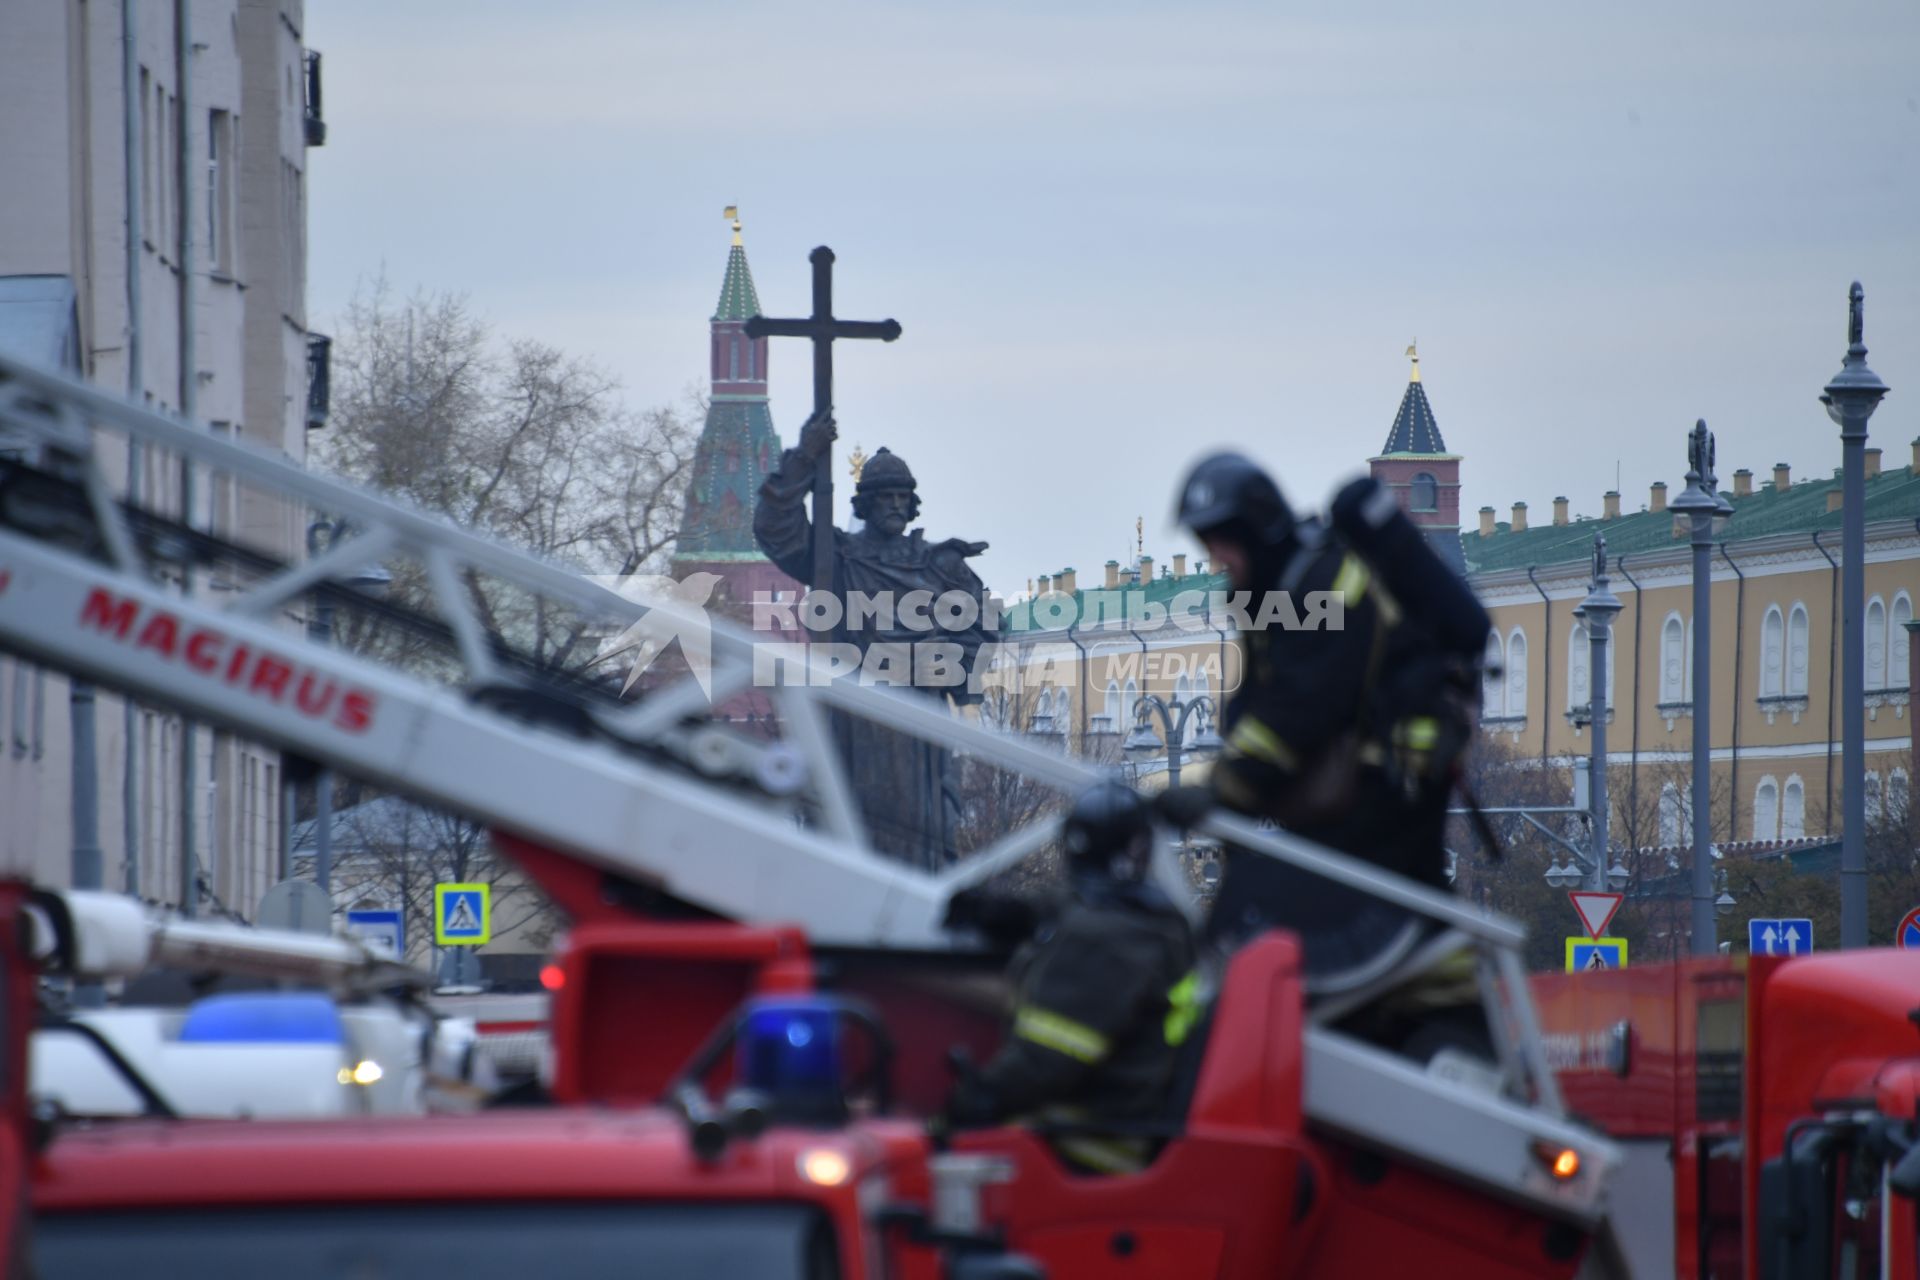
column 732, row 214
column 1413, row 353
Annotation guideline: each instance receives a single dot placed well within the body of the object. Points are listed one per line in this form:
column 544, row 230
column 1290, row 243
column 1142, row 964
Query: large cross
column 823, row 327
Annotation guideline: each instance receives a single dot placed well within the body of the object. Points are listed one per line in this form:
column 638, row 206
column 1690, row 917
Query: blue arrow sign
column 1779, row 937
column 378, row 928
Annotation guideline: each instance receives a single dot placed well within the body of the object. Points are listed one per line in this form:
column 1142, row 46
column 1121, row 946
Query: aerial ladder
column 661, row 800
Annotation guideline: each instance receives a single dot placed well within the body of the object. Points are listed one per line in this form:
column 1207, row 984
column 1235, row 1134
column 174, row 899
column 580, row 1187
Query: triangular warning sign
column 460, row 917
column 1595, row 909
column 1597, row 959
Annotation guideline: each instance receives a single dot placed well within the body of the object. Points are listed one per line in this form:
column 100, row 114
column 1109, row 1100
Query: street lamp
column 370, row 580
column 1599, row 607
column 1701, row 502
column 1850, row 399
column 1142, row 745
column 1724, row 904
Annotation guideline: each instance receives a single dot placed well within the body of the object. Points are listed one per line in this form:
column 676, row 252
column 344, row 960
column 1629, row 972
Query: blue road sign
column 1586, row 954
column 1788, row 937
column 380, row 929
column 460, row 914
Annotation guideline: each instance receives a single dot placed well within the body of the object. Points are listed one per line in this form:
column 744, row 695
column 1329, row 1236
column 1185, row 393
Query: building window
column 1130, row 705
column 1114, row 720
column 315, row 120
column 1876, row 644
column 1898, row 642
column 1793, row 809
column 146, row 158
column 733, row 358
column 1425, row 493
column 1671, row 825
column 1579, row 662
column 319, row 379
column 1517, row 673
column 1873, row 797
column 1673, row 659
column 1897, row 795
column 221, row 161
column 1797, row 650
column 1766, row 810
column 1773, row 651
column 1493, row 684
column 1578, row 652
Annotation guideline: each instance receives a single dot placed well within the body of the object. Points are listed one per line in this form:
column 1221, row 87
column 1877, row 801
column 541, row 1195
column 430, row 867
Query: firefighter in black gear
column 1349, row 737
column 1104, row 996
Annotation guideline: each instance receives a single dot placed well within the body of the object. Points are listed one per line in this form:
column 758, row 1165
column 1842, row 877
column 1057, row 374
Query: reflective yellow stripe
column 1183, row 1008
column 1252, row 738
column 1062, row 1035
column 1351, row 581
column 1418, row 732
column 1104, row 1155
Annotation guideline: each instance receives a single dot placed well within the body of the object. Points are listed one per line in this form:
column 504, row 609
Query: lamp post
column 1600, row 607
column 369, row 580
column 1141, row 744
column 1702, row 502
column 1851, row 399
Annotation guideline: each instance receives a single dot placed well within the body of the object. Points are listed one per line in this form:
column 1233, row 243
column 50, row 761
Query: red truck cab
column 1763, row 1104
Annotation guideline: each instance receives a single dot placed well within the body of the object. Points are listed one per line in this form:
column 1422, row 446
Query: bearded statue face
column 887, row 512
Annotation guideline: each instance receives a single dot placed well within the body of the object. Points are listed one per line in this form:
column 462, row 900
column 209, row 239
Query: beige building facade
column 1072, row 675
column 153, row 239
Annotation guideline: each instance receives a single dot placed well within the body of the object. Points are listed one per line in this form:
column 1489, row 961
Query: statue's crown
column 885, row 470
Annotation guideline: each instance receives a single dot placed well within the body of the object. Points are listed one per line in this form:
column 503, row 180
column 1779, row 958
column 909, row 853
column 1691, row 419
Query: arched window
column 1797, row 650
column 1424, row 494
column 1670, row 825
column 1899, row 652
column 1114, row 721
column 1042, row 719
column 1130, row 706
column 1689, row 690
column 1493, row 684
column 1673, row 659
column 1766, row 810
column 1873, row 797
column 1517, row 673
column 1793, row 809
column 1876, row 644
column 1897, row 796
column 1773, row 653
column 1578, row 653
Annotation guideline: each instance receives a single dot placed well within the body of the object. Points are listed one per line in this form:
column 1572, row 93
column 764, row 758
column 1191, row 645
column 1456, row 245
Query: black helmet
column 1230, row 493
column 1109, row 832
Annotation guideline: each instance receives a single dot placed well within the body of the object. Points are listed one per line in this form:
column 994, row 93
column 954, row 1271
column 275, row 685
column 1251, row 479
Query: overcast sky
column 1118, row 234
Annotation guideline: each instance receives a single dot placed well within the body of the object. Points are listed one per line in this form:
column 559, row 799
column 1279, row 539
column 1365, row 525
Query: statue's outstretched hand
column 817, row 435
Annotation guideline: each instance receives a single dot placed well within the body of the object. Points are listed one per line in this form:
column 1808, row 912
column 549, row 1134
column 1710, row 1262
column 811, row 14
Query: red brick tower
column 1416, row 466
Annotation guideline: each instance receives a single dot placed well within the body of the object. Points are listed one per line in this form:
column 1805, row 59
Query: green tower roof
column 738, row 299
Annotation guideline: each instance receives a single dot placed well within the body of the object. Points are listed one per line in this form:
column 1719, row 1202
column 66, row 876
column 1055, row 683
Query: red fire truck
column 754, row 1006
column 1764, row 1107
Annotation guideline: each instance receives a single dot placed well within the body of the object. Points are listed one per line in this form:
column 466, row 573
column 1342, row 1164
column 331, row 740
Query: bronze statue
column 905, row 786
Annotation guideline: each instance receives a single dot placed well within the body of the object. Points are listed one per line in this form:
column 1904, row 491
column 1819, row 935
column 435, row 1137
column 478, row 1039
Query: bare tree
column 515, row 438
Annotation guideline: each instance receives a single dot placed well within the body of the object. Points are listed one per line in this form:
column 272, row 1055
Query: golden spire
column 1413, row 353
column 857, row 462
column 733, row 211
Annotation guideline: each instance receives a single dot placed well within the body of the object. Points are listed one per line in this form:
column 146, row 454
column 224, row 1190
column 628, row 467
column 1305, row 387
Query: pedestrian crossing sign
column 462, row 915
column 1585, row 955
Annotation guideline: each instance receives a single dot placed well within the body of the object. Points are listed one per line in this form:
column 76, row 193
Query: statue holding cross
column 932, row 616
